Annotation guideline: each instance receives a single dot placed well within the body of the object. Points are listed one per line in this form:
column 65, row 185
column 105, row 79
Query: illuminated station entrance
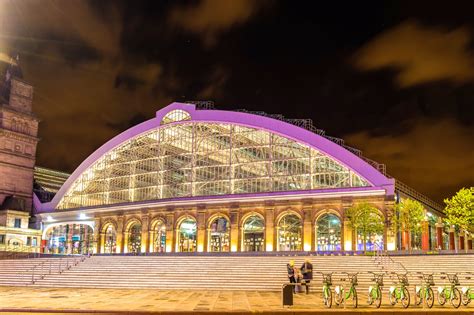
column 202, row 180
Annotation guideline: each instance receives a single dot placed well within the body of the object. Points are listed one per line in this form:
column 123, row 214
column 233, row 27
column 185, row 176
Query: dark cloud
column 100, row 67
column 209, row 18
column 420, row 54
column 86, row 88
column 435, row 156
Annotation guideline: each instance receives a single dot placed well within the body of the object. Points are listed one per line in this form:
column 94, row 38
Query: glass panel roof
column 204, row 159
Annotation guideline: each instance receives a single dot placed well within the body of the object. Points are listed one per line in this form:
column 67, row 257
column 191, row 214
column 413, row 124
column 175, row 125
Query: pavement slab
column 36, row 300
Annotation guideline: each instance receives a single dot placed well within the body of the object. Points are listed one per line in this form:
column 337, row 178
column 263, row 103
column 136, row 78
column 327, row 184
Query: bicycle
column 375, row 291
column 424, row 290
column 450, row 291
column 467, row 292
column 340, row 294
column 399, row 292
column 327, row 295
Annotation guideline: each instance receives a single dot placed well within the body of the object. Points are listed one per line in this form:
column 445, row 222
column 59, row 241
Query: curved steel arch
column 298, row 134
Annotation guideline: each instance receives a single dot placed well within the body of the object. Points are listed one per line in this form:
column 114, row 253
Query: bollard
column 287, row 294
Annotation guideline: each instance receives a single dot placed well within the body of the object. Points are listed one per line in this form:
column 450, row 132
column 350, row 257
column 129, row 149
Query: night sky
column 394, row 79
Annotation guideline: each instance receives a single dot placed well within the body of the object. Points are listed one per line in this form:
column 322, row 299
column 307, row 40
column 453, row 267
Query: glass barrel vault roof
column 186, row 159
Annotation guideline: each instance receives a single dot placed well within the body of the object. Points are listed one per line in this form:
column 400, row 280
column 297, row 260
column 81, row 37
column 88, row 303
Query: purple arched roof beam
column 284, row 129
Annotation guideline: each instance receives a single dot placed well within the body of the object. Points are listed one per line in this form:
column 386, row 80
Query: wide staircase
column 266, row 273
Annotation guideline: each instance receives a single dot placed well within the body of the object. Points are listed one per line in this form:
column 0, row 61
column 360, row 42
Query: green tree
column 365, row 219
column 409, row 215
column 459, row 209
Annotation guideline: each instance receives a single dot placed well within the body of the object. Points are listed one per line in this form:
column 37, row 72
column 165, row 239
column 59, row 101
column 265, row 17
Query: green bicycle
column 327, row 295
column 450, row 291
column 467, row 292
column 424, row 290
column 340, row 294
column 399, row 292
column 375, row 291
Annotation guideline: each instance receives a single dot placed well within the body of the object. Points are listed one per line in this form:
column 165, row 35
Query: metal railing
column 385, row 262
column 40, row 270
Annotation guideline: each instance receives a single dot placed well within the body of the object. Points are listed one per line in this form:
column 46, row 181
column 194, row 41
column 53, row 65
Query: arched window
column 253, row 237
column 289, row 233
column 175, row 115
column 110, row 240
column 219, row 235
column 135, row 238
column 187, row 235
column 159, row 237
column 374, row 241
column 328, row 233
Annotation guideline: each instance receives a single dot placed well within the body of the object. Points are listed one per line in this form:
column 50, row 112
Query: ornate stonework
column 18, row 140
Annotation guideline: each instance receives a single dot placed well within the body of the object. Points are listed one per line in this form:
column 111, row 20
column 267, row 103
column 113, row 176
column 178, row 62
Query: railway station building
column 197, row 179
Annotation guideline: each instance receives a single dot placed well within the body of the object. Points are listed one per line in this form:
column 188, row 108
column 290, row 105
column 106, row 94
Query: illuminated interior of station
column 204, row 159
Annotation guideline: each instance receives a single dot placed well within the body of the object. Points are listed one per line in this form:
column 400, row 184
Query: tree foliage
column 460, row 209
column 409, row 215
column 365, row 219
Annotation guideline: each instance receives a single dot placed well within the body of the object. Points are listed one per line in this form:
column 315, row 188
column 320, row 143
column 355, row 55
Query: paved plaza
column 64, row 300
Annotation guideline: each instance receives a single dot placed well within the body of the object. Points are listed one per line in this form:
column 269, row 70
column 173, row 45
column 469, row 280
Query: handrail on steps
column 39, row 271
column 383, row 259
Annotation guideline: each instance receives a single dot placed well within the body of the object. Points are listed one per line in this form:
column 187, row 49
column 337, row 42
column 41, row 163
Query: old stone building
column 18, row 140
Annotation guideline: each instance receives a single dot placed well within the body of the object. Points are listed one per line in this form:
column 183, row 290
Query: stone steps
column 266, row 273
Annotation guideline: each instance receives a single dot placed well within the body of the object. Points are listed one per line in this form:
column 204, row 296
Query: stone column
column 452, row 245
column 347, row 232
column 144, row 246
column 405, row 240
column 102, row 243
column 170, row 233
column 348, row 238
column 461, row 240
column 390, row 242
column 270, row 242
column 201, row 231
column 439, row 235
column 234, row 230
column 98, row 243
column 425, row 235
column 308, row 243
column 119, row 234
column 151, row 241
column 126, row 237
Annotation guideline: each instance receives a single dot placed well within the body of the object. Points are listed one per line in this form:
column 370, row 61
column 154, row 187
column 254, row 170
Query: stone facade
column 309, row 211
column 18, row 140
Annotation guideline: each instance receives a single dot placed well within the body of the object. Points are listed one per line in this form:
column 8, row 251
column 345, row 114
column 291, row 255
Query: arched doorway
column 110, row 244
column 219, row 235
column 253, row 234
column 289, row 233
column 374, row 240
column 187, row 235
column 135, row 238
column 70, row 239
column 328, row 233
column 159, row 237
